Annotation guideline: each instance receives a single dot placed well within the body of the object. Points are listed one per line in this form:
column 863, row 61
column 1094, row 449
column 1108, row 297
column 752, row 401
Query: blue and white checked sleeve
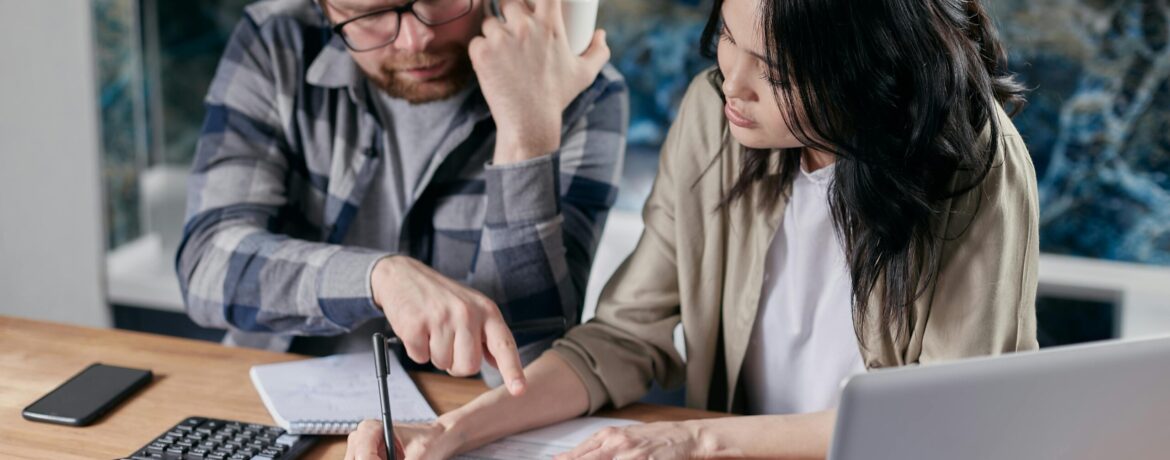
column 545, row 216
column 234, row 269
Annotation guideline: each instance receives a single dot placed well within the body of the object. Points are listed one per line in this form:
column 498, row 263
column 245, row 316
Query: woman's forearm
column 554, row 393
column 797, row 436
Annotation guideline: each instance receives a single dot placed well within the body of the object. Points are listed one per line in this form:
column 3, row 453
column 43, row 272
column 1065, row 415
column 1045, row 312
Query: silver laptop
column 1107, row 400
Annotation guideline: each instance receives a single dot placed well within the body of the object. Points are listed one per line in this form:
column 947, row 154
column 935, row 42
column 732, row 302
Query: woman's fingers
column 588, row 446
column 365, row 443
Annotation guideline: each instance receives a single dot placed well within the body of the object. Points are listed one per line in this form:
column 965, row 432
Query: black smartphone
column 86, row 396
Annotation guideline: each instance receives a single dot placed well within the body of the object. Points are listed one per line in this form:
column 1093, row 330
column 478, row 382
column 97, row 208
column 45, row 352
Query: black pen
column 382, row 371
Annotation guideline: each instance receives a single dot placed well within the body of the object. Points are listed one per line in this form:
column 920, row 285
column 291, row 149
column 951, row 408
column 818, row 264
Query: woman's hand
column 529, row 75
column 412, row 442
column 652, row 440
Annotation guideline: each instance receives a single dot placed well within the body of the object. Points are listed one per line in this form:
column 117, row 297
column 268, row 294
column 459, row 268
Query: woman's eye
column 724, row 35
column 773, row 78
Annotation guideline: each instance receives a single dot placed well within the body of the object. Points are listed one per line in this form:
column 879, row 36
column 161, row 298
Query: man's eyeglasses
column 378, row 28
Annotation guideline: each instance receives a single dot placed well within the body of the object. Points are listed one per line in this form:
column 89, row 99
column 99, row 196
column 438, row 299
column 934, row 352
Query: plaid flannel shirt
column 289, row 147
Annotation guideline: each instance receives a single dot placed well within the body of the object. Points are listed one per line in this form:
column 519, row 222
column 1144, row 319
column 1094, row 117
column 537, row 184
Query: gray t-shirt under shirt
column 414, row 134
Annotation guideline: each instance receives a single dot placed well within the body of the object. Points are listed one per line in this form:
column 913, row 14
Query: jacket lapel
column 751, row 235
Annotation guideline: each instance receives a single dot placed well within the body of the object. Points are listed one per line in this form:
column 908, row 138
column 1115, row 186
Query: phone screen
column 87, row 395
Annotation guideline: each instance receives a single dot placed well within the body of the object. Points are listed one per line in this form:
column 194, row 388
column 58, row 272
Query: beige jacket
column 705, row 267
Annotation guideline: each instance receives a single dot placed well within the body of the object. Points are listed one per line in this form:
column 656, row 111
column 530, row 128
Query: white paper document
column 332, row 395
column 544, row 443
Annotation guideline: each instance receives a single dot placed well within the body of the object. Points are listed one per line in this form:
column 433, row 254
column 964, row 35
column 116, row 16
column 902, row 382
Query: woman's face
column 752, row 110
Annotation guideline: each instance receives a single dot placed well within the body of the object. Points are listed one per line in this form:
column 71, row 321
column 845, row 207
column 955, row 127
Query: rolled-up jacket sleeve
column 630, row 342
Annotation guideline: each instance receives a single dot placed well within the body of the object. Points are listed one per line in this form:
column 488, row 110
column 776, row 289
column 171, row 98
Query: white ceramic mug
column 580, row 21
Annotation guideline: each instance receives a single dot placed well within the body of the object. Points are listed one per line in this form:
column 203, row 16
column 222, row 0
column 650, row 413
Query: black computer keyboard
column 200, row 438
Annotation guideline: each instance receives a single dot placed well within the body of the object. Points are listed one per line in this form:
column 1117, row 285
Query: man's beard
column 457, row 77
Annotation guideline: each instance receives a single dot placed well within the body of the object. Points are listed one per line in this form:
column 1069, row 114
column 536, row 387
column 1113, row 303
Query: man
column 368, row 159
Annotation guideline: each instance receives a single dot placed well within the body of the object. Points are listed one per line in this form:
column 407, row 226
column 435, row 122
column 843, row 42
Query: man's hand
column 412, row 442
column 529, row 76
column 444, row 322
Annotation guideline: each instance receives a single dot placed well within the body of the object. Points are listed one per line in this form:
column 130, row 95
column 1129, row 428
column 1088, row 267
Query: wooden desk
column 191, row 378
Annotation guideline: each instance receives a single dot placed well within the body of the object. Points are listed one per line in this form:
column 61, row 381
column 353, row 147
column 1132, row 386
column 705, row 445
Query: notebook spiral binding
column 332, row 427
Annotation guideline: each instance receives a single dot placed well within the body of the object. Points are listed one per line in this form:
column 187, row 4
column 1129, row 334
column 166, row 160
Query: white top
column 802, row 343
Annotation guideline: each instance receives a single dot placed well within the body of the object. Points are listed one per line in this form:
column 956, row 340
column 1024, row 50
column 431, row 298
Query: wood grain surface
column 191, row 378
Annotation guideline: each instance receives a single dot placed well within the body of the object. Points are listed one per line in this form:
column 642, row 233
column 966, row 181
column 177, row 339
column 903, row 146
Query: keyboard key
column 157, row 447
column 209, row 427
column 199, row 438
column 189, row 424
column 287, row 439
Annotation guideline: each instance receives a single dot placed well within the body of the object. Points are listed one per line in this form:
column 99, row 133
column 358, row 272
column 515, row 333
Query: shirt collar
column 821, row 176
column 334, row 67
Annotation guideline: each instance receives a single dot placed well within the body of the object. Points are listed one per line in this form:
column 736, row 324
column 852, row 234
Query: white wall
column 51, row 229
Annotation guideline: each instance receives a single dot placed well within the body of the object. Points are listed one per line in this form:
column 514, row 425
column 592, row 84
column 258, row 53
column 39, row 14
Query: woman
column 844, row 192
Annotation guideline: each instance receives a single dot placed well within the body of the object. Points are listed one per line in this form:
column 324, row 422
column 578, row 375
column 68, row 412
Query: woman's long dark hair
column 900, row 92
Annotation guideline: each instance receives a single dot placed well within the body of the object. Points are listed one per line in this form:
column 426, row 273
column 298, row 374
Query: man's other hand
column 529, row 76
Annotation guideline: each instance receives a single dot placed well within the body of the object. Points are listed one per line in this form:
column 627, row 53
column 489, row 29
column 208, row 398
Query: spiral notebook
column 332, row 395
